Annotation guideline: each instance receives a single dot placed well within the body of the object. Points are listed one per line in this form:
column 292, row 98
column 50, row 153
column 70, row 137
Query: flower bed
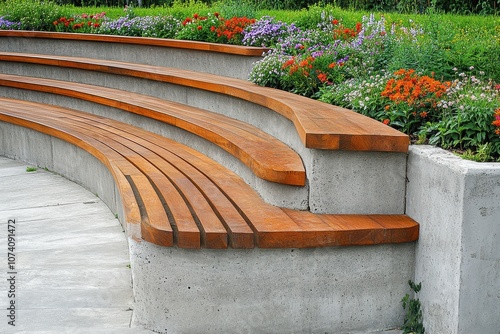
column 405, row 75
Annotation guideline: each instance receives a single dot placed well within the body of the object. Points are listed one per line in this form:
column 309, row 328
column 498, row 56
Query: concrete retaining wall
column 457, row 204
column 230, row 65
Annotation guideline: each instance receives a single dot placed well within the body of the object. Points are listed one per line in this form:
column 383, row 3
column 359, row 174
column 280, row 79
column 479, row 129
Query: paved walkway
column 71, row 266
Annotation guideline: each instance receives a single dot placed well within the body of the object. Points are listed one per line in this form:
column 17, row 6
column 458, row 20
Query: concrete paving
column 70, row 270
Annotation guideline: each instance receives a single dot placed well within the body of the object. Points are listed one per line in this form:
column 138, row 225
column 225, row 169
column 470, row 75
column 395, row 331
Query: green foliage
column 31, row 169
column 183, row 9
column 482, row 154
column 268, row 71
column 199, row 28
column 33, row 14
column 236, row 8
column 413, row 320
column 468, row 115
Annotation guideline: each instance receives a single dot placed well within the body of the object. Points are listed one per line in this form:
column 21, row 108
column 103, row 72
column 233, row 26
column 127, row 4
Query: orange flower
column 386, row 121
column 288, row 63
column 323, row 77
column 304, row 63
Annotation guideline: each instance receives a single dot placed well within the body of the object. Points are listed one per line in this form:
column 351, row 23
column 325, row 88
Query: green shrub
column 33, row 14
column 236, row 8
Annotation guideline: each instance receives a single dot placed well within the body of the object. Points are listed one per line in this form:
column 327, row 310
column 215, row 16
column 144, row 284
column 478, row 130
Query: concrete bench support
column 328, row 290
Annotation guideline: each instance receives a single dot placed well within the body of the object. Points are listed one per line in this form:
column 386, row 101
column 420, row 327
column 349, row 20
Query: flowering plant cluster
column 147, row 26
column 82, row 23
column 325, row 56
column 231, row 31
column 401, row 76
column 8, row 25
column 496, row 121
column 412, row 99
column 214, row 28
column 462, row 114
column 267, row 31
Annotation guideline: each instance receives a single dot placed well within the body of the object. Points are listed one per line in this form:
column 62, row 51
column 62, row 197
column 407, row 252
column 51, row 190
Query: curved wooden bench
column 266, row 156
column 180, row 197
column 319, row 125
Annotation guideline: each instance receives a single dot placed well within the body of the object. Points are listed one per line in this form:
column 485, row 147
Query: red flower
column 335, row 22
column 200, row 27
column 288, row 63
column 386, row 121
column 322, row 77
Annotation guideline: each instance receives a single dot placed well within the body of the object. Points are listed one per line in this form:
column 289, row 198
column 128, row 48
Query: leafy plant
column 200, row 28
column 80, row 23
column 9, row 25
column 412, row 98
column 413, row 320
column 31, row 169
column 33, row 14
column 237, row 8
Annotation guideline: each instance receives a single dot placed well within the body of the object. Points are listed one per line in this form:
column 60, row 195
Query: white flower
column 471, row 68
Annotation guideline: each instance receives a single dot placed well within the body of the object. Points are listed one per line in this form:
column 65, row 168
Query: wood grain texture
column 266, row 156
column 319, row 125
column 181, row 197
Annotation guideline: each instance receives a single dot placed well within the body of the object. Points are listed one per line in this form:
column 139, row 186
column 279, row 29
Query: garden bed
column 437, row 82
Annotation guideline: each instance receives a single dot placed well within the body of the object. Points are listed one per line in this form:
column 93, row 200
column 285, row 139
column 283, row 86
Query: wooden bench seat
column 180, row 197
column 266, row 156
column 319, row 125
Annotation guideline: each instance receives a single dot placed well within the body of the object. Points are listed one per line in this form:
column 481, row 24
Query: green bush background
column 401, row 6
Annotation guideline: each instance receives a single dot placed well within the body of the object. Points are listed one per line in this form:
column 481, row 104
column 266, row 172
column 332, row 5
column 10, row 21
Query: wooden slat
column 26, row 114
column 136, row 147
column 319, row 125
column 266, row 156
